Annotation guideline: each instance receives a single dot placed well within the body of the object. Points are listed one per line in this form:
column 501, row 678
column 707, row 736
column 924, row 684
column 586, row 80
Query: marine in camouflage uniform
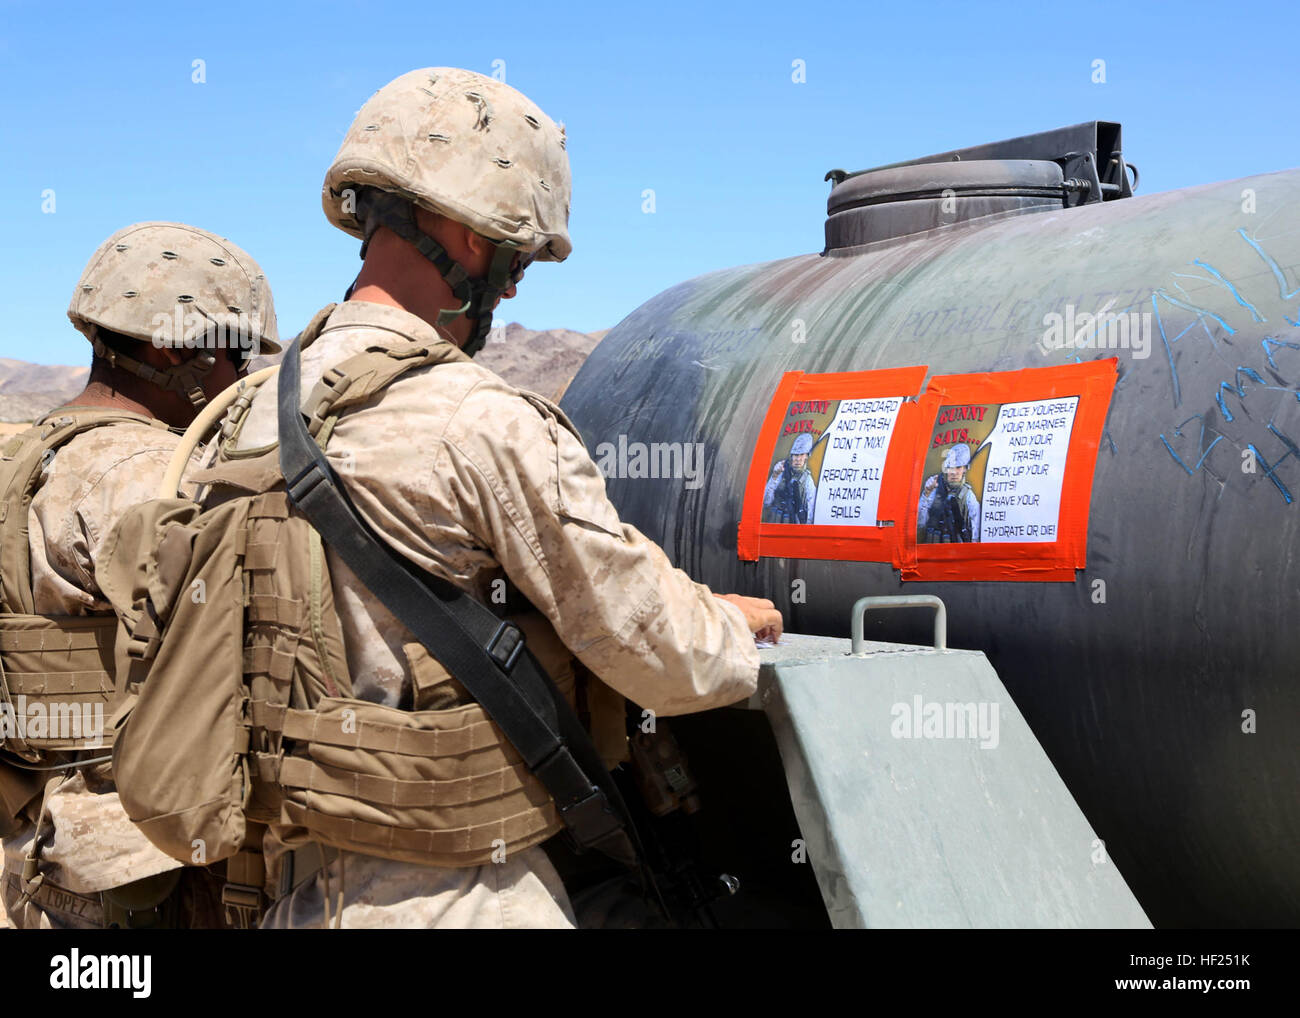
column 479, row 482
column 132, row 303
column 948, row 511
column 790, row 493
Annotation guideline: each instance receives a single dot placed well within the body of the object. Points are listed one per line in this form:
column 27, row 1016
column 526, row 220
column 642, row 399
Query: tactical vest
column 948, row 520
column 54, row 669
column 242, row 709
column 789, row 504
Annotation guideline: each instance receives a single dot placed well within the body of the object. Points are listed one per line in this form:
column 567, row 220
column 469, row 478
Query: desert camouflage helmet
column 465, row 146
column 957, row 456
column 174, row 285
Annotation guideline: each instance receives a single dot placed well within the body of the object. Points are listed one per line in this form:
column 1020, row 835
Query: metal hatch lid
column 1092, row 151
column 984, row 177
column 1057, row 169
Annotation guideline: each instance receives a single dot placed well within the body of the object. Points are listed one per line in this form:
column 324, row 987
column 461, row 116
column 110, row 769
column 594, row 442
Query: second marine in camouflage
column 173, row 313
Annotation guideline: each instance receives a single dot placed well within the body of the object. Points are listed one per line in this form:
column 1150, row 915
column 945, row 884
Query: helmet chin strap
column 185, row 378
column 477, row 297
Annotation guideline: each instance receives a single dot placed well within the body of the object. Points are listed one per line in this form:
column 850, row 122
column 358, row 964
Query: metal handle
column 864, row 604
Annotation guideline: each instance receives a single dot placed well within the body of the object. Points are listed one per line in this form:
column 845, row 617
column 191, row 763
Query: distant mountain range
column 544, row 362
column 28, row 390
column 541, row 360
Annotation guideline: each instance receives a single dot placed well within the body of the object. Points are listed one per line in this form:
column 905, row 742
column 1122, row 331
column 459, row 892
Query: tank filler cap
column 1057, row 169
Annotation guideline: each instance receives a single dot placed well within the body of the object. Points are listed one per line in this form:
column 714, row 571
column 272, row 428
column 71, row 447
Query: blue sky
column 695, row 101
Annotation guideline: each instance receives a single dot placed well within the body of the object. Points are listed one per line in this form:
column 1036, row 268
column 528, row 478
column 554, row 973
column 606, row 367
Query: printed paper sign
column 993, row 473
column 985, row 476
column 829, row 462
column 831, row 471
column 1026, row 469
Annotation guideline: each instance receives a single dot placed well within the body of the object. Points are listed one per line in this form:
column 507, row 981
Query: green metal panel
column 913, row 819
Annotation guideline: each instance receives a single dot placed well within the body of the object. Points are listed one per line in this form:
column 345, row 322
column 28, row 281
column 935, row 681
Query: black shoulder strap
column 487, row 655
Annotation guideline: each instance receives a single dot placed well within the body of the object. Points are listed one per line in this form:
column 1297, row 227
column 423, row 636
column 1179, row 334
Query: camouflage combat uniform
column 946, row 515
column 789, row 496
column 477, row 481
column 83, row 491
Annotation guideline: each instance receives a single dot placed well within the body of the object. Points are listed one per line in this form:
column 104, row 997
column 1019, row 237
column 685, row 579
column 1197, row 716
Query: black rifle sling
column 486, row 654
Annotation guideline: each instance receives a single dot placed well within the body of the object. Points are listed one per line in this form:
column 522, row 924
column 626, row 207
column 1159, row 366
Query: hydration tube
column 205, row 420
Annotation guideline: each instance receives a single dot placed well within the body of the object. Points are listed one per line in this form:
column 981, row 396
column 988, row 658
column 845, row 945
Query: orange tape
column 1092, row 382
column 911, row 440
column 821, row 541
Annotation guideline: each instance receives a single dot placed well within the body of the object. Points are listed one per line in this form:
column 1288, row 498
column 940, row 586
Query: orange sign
column 829, row 476
column 982, row 477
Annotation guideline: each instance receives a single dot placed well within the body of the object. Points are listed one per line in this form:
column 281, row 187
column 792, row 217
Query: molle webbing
column 440, row 788
column 361, row 378
column 57, row 679
column 433, row 787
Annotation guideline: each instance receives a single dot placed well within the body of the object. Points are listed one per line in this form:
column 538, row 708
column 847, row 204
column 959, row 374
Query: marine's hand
column 931, row 483
column 780, row 466
column 761, row 616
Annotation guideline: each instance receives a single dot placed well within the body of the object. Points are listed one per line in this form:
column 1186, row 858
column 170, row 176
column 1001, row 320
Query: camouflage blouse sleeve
column 537, row 500
column 87, row 486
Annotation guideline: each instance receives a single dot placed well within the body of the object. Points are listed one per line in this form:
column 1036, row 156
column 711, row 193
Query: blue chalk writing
column 1178, row 431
